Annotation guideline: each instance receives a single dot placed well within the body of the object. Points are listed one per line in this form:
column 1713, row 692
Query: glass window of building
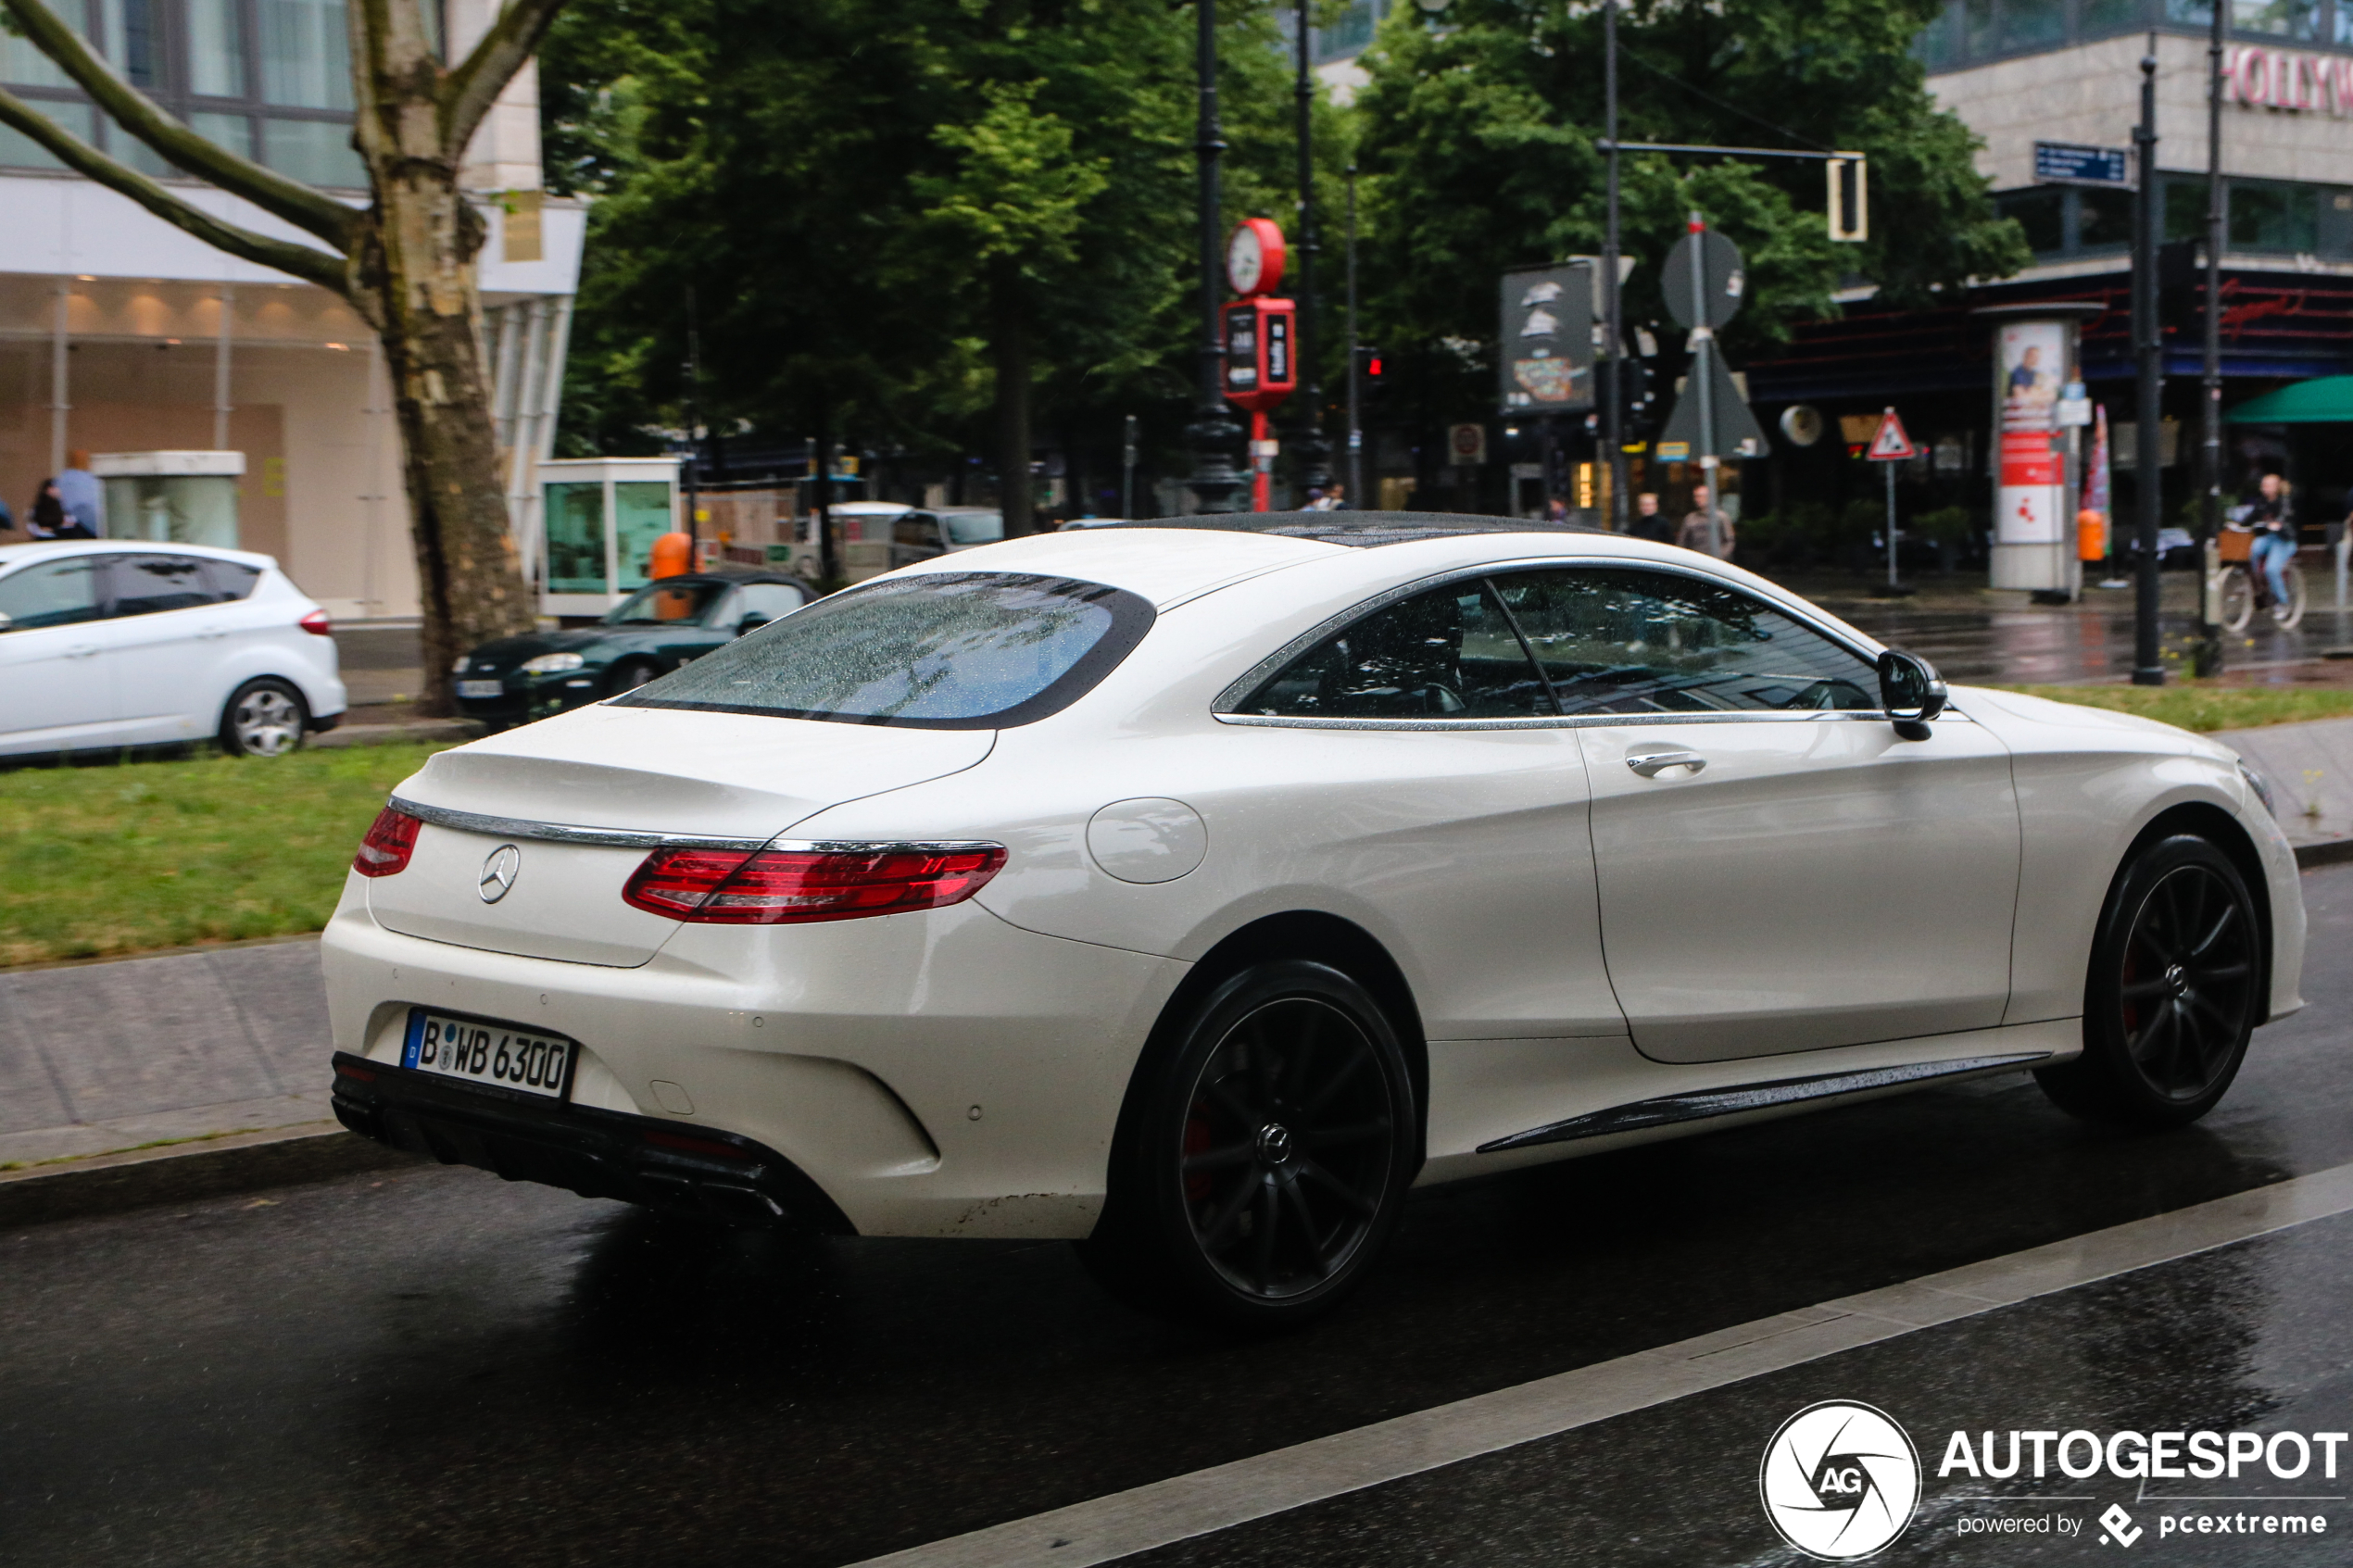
column 641, row 515
column 2040, row 214
column 575, row 522
column 2271, row 215
column 2280, row 19
column 216, row 64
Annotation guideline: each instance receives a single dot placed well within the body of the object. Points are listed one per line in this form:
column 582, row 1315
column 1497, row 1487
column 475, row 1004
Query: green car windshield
column 667, row 603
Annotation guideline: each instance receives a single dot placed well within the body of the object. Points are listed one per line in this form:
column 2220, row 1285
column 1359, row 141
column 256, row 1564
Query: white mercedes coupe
column 1192, row 889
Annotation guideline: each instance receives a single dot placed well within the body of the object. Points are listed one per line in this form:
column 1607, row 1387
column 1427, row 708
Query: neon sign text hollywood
column 2279, row 78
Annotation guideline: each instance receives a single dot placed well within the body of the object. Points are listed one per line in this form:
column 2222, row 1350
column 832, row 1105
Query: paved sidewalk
column 2311, row 770
column 100, row 1057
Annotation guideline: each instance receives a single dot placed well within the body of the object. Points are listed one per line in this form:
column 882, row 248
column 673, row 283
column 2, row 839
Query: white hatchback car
column 106, row 644
column 1194, row 889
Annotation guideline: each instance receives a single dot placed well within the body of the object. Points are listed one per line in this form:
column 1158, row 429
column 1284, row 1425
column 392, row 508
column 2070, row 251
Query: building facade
column 2027, row 73
column 118, row 333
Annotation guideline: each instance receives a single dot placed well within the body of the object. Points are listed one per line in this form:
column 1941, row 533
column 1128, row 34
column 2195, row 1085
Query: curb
column 2327, row 852
column 109, row 1183
column 378, row 735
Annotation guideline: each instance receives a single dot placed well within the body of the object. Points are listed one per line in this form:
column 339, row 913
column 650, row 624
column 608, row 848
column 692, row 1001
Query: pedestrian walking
column 1706, row 528
column 1556, row 512
column 2272, row 517
column 78, row 493
column 1649, row 521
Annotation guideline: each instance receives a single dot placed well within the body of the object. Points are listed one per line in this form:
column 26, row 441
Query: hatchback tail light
column 788, row 886
column 391, row 838
column 317, row 624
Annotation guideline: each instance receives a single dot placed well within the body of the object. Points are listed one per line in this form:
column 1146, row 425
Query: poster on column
column 2030, row 497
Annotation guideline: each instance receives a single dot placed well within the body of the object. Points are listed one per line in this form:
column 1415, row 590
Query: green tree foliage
column 1480, row 136
column 899, row 216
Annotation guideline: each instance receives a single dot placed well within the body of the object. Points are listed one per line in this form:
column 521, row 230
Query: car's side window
column 57, row 593
column 768, row 600
column 1619, row 641
column 232, row 580
column 151, row 584
column 1450, row 653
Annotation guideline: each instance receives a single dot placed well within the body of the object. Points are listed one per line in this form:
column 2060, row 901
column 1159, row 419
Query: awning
column 2326, row 400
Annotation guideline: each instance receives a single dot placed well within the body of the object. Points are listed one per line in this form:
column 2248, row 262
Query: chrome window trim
column 1239, row 691
column 1585, row 720
column 638, row 838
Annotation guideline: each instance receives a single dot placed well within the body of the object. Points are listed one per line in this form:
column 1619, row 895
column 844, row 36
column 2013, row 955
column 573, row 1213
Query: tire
column 2237, row 596
column 264, row 717
column 1263, row 1156
column 2173, row 992
column 628, row 677
column 2291, row 614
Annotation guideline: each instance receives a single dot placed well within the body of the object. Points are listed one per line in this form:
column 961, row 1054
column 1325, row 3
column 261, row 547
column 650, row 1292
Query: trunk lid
column 628, row 769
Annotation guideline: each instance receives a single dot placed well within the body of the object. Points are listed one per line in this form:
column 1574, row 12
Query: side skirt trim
column 1700, row 1103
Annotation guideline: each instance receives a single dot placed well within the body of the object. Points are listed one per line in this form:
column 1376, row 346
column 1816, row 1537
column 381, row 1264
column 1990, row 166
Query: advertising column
column 2034, row 485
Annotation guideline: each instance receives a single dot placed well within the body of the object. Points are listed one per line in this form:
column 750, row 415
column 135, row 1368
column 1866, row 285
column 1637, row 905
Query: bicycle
column 2242, row 590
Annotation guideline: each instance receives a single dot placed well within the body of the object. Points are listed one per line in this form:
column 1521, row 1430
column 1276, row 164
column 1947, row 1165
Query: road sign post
column 1890, row 447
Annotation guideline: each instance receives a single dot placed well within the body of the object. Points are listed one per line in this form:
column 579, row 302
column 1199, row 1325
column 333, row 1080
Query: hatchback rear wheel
column 2174, row 991
column 265, row 718
column 1267, row 1156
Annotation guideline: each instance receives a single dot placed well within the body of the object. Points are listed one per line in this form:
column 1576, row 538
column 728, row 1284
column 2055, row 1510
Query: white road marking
column 1217, row 1499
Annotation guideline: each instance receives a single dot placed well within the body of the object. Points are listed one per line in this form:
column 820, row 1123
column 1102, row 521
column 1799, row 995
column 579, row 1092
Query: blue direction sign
column 2064, row 163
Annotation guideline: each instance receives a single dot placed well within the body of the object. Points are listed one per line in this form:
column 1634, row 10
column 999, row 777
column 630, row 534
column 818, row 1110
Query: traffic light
column 1638, row 400
column 1372, row 373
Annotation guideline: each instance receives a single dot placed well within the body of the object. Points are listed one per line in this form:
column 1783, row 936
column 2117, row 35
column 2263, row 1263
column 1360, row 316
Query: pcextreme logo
column 1840, row 1480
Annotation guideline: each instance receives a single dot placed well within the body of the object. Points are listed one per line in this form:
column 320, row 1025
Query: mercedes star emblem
column 498, row 872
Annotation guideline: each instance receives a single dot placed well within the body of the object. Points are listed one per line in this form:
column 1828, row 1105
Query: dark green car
column 653, row 632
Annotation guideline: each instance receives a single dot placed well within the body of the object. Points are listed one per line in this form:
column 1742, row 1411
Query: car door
column 1779, row 869
column 57, row 684
column 170, row 640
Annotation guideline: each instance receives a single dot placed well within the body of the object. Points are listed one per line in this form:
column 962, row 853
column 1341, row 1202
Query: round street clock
column 1254, row 257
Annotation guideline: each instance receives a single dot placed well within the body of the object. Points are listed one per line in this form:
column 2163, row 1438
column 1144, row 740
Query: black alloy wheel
column 2174, row 994
column 629, row 677
column 1271, row 1156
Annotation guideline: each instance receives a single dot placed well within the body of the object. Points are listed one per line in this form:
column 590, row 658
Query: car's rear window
column 944, row 650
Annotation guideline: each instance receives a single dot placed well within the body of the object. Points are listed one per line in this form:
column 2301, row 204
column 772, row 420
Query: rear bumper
column 594, row 1153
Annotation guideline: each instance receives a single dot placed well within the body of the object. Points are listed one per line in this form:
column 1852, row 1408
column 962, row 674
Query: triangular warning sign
column 1890, row 444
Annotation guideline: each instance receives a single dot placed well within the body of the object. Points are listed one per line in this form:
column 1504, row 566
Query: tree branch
column 302, row 261
column 469, row 90
column 132, row 110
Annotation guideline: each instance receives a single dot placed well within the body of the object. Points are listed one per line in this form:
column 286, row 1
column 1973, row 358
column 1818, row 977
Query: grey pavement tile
column 194, row 1122
column 28, row 1096
column 141, row 1036
column 282, row 997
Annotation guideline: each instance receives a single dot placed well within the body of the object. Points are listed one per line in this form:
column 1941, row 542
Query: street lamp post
column 1613, row 323
column 2207, row 658
column 1355, row 395
column 1314, row 452
column 1212, row 432
column 2147, row 344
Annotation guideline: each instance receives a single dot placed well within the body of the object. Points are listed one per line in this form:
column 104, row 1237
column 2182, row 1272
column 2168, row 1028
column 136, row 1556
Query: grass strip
column 127, row 858
column 2205, row 708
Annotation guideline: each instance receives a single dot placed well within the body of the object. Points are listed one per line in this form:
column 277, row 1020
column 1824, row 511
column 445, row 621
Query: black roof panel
column 1357, row 529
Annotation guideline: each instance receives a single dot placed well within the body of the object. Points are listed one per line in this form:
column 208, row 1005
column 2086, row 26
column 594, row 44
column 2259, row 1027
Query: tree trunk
column 412, row 275
column 1011, row 346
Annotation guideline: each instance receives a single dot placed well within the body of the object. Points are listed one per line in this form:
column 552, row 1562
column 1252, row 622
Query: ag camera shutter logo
column 1840, row 1480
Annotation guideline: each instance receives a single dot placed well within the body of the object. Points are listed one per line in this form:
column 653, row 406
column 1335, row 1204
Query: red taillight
column 785, row 886
column 317, row 624
column 392, row 837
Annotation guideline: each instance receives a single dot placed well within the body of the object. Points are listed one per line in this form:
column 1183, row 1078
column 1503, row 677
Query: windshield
column 666, row 603
column 943, row 650
column 973, row 528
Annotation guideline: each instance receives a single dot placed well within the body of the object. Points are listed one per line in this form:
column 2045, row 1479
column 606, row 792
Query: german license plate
column 482, row 688
column 479, row 1052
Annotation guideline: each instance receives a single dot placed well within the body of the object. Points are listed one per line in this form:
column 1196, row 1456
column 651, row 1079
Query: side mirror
column 749, row 624
column 8, row 622
column 1911, row 692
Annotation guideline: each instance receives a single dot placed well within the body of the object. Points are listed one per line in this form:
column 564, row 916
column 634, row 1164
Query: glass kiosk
column 600, row 518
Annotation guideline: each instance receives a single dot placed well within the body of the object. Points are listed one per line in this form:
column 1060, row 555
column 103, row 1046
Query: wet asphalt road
column 436, row 1368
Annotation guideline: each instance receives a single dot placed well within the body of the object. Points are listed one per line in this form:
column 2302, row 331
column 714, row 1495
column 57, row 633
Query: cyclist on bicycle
column 2273, row 520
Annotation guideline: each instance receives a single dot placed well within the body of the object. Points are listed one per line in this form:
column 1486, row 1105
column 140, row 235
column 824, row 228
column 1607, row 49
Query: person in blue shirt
column 78, row 492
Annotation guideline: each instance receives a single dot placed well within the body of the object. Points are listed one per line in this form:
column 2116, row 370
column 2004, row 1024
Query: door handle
column 1650, row 764
column 82, row 650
